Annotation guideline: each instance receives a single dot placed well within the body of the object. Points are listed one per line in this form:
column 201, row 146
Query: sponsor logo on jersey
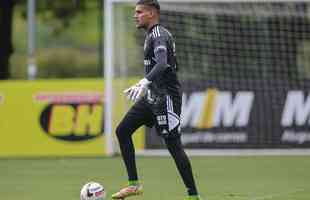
column 1, row 98
column 72, row 116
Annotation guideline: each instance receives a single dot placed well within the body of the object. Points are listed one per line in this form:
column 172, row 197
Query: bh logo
column 72, row 117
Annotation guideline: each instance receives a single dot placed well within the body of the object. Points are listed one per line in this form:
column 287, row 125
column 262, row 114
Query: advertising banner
column 244, row 114
column 54, row 118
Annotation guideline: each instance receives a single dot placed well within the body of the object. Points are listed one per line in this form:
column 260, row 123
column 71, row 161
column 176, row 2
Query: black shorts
column 163, row 113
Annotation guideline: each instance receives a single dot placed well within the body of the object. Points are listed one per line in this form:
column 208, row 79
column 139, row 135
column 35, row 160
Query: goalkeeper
column 157, row 100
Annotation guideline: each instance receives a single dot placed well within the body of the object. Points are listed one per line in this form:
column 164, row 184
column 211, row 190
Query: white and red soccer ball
column 92, row 191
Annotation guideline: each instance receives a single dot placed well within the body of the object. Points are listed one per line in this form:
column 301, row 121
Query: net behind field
column 227, row 40
column 261, row 48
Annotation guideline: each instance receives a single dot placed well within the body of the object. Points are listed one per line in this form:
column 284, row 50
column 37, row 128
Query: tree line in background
column 63, row 11
column 220, row 45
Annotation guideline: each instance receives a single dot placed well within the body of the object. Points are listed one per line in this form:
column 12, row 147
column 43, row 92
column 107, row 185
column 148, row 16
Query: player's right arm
column 161, row 58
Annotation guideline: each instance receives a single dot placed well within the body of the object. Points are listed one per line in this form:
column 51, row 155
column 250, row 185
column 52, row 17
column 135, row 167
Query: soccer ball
column 93, row 191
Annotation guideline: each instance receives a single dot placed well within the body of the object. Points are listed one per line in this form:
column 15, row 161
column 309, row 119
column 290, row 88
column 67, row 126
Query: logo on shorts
column 147, row 62
column 162, row 120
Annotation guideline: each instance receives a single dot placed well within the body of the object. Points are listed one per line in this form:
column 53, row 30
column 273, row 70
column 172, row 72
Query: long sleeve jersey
column 160, row 61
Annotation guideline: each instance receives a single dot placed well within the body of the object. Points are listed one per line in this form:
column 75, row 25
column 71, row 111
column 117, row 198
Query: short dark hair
column 152, row 3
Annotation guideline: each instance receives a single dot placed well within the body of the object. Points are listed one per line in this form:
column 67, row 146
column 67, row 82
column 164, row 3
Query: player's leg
column 167, row 114
column 183, row 165
column 137, row 116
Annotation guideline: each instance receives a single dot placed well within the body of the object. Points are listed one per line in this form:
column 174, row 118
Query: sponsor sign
column 236, row 114
column 295, row 120
column 71, row 116
column 56, row 118
column 215, row 109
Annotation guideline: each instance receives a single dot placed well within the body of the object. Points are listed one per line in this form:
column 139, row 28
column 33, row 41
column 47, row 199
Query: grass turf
column 218, row 178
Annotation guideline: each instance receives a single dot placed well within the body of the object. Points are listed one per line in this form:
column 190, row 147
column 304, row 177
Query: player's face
column 142, row 16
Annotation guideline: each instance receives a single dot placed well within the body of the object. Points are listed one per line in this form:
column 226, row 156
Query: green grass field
column 218, row 178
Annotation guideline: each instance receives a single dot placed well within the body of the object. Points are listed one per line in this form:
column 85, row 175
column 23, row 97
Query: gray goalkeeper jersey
column 160, row 62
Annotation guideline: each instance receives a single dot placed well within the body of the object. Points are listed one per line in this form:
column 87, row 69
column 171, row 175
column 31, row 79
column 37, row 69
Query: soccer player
column 157, row 100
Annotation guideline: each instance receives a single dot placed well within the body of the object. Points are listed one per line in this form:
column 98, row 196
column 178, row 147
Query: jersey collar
column 151, row 29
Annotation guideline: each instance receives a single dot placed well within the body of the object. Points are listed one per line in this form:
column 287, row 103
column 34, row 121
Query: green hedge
column 59, row 63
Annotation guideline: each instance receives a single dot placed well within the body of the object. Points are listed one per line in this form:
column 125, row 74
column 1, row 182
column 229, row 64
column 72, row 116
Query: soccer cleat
column 132, row 190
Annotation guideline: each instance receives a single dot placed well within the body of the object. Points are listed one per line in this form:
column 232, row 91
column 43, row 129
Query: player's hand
column 142, row 89
column 136, row 92
column 133, row 92
column 129, row 92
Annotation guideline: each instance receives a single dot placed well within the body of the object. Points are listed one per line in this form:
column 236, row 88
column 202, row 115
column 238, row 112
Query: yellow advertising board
column 55, row 118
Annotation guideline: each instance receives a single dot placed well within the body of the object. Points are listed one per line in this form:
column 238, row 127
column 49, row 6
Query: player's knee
column 174, row 145
column 121, row 132
column 118, row 132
